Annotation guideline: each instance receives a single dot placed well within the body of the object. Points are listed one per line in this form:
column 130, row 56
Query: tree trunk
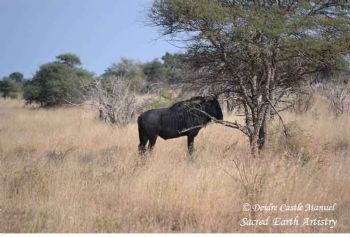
column 267, row 98
column 262, row 136
column 263, row 132
column 254, row 145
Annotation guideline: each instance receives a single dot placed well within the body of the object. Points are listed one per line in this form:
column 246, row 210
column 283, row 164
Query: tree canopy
column 154, row 71
column 8, row 88
column 261, row 51
column 17, row 77
column 69, row 59
column 127, row 70
column 57, row 83
column 11, row 85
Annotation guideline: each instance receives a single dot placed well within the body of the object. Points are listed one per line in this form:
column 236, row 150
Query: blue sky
column 33, row 32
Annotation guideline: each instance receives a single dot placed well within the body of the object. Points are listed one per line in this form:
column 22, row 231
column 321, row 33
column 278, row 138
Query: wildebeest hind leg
column 143, row 141
column 142, row 145
column 152, row 142
column 190, row 141
column 142, row 149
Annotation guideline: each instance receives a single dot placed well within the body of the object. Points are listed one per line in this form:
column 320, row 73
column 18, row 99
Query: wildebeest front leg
column 190, row 141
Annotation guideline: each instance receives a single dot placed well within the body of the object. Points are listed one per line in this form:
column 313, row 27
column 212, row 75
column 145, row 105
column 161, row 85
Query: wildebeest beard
column 184, row 118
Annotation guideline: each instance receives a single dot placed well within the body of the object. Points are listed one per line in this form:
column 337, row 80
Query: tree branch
column 229, row 124
column 285, row 129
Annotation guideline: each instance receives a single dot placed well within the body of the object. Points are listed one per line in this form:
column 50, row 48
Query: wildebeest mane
column 185, row 114
column 187, row 103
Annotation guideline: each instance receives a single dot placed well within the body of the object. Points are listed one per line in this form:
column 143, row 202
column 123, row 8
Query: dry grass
column 64, row 171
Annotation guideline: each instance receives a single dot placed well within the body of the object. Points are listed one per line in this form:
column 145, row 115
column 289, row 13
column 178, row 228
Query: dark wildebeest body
column 184, row 118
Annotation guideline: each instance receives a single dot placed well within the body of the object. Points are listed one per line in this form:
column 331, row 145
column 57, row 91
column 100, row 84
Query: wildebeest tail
column 139, row 124
column 142, row 132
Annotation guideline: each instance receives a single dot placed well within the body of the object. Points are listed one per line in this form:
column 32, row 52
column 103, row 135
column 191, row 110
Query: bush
column 294, row 144
column 9, row 88
column 165, row 99
column 303, row 102
column 154, row 71
column 56, row 84
column 338, row 94
column 114, row 100
column 127, row 70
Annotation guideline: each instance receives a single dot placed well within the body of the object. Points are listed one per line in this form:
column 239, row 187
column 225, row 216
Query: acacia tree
column 58, row 83
column 69, row 59
column 16, row 77
column 11, row 86
column 260, row 51
column 8, row 88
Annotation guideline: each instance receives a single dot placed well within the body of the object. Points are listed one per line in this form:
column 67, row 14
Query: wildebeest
column 183, row 118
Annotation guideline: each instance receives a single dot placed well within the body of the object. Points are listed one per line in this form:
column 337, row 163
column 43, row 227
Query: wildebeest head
column 208, row 104
column 212, row 107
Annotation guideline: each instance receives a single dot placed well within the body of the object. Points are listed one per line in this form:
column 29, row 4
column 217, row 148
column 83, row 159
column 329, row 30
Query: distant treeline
column 64, row 80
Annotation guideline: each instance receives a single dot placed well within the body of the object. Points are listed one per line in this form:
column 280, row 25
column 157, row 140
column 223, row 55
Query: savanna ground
column 62, row 170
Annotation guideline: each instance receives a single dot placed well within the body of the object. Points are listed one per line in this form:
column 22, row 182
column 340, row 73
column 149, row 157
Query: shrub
column 115, row 101
column 303, row 102
column 164, row 99
column 56, row 84
column 127, row 70
column 9, row 88
column 294, row 144
column 338, row 95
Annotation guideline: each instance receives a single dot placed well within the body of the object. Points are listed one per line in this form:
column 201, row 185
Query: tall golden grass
column 62, row 170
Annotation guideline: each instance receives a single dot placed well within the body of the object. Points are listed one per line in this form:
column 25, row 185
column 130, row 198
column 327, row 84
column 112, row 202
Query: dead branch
column 114, row 101
column 285, row 129
column 229, row 124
